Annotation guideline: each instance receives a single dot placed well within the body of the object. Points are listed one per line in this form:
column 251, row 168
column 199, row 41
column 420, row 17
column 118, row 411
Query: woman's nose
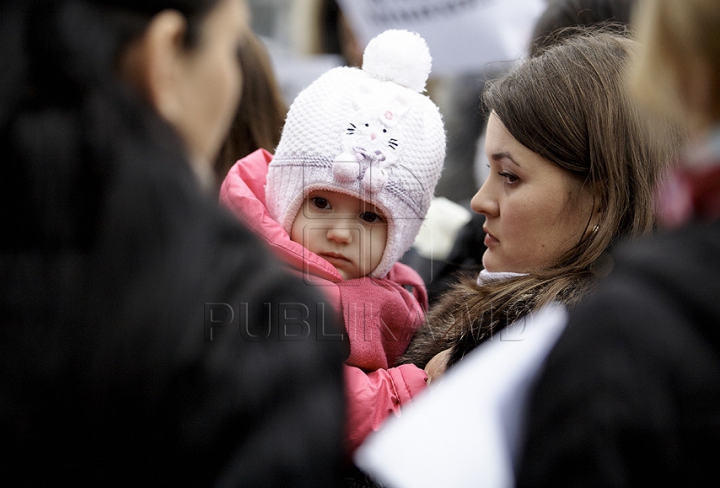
column 483, row 202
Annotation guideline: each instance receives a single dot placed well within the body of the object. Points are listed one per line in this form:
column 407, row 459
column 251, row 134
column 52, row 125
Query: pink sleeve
column 372, row 397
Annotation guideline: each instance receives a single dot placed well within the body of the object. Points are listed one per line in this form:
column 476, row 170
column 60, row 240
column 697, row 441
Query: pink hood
column 243, row 192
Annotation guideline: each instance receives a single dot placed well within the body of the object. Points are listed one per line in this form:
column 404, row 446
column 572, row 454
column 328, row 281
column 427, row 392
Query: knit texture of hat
column 369, row 133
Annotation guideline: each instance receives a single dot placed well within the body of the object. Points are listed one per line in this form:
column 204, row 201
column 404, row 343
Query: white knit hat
column 369, row 133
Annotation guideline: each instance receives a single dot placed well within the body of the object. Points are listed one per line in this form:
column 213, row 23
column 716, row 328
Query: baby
column 344, row 197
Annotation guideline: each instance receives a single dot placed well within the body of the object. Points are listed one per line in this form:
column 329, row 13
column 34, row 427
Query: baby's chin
column 351, row 272
column 343, row 267
column 346, row 275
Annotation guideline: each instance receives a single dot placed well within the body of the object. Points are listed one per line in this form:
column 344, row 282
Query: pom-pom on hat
column 369, row 133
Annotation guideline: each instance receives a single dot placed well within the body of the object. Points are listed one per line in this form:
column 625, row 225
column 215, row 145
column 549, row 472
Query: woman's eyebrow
column 504, row 155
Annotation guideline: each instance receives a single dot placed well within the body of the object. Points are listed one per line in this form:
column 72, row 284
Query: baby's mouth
column 335, row 258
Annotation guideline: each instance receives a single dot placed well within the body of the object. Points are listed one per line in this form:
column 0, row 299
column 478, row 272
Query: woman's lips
column 490, row 239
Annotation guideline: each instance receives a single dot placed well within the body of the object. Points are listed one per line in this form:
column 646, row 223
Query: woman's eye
column 509, row 177
column 320, row 203
column 370, row 217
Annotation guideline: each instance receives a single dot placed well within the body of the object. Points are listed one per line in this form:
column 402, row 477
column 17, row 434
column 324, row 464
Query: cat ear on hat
column 395, row 110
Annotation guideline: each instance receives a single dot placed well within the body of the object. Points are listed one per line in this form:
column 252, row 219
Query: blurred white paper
column 440, row 228
column 463, row 35
column 464, row 431
column 295, row 74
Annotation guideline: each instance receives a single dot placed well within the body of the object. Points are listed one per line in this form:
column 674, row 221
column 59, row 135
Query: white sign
column 463, row 35
column 466, row 429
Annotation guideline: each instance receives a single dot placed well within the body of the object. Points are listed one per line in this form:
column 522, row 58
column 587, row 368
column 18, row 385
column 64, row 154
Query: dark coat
column 108, row 375
column 630, row 396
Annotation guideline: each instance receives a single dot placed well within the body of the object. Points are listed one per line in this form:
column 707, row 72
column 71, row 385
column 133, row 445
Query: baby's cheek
column 296, row 232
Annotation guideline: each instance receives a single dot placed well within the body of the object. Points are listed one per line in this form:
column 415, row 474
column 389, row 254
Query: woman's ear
column 592, row 205
column 152, row 63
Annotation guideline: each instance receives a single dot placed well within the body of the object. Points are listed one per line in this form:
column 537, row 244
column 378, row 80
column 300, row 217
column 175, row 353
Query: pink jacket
column 380, row 315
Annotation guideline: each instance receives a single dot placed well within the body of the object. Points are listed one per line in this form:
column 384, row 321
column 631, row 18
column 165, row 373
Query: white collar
column 486, row 276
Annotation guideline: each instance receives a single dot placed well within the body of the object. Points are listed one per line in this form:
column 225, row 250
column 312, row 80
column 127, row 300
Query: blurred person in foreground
column 629, row 395
column 146, row 337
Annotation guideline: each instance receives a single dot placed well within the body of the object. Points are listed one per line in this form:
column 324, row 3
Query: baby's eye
column 384, row 130
column 370, row 217
column 320, row 202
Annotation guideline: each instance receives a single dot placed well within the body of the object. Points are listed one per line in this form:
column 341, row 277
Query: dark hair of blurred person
column 551, row 27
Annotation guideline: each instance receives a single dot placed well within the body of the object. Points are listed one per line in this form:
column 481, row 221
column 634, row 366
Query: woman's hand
column 436, row 367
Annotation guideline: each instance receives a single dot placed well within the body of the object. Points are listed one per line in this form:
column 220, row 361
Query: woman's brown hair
column 261, row 113
column 568, row 105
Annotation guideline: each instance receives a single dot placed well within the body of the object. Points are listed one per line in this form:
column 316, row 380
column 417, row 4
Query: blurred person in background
column 261, row 113
column 552, row 25
column 322, row 28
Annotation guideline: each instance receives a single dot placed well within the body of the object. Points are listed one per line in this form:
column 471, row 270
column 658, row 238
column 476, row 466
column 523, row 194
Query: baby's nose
column 372, row 136
column 340, row 233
